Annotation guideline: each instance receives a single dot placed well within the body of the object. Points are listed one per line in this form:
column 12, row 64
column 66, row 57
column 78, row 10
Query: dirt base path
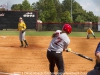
column 33, row 59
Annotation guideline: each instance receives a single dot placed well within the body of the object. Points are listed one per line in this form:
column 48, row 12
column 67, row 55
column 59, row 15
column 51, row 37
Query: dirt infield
column 33, row 59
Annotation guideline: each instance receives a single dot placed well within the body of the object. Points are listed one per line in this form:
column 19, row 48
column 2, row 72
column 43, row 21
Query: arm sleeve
column 65, row 45
column 66, row 42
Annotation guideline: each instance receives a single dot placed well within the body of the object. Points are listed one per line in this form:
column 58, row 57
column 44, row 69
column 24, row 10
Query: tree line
column 69, row 11
column 54, row 11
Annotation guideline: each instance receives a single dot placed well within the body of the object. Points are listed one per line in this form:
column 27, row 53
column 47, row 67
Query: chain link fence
column 76, row 27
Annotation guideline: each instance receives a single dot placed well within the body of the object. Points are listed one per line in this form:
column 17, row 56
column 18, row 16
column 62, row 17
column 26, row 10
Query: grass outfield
column 44, row 33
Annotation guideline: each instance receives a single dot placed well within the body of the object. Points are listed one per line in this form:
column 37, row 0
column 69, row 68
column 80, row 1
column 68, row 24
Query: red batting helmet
column 67, row 28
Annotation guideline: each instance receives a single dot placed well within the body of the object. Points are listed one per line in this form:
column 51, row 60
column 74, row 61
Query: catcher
column 96, row 70
column 90, row 31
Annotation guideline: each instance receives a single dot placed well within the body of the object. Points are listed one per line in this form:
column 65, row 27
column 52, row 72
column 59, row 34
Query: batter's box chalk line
column 3, row 37
column 5, row 73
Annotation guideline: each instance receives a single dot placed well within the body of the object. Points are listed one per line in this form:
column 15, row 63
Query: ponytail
column 57, row 33
column 54, row 35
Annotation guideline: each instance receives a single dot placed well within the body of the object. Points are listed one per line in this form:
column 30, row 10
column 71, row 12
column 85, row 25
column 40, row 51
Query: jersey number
column 58, row 40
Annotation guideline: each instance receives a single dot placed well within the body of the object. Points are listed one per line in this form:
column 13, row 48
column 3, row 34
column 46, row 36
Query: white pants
column 89, row 34
column 21, row 36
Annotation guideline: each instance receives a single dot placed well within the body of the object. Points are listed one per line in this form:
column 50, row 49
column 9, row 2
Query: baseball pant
column 22, row 36
column 88, row 35
column 55, row 58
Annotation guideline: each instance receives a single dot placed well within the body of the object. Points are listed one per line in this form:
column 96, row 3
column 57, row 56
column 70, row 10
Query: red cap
column 67, row 28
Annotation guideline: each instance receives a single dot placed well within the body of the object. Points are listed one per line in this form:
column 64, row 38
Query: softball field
column 32, row 60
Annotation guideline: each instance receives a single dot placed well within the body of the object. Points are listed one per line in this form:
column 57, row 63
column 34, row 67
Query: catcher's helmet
column 67, row 28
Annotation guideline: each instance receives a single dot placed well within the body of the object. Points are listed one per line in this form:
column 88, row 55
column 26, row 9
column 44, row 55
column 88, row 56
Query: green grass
column 8, row 33
column 78, row 34
column 44, row 33
column 28, row 33
column 39, row 33
column 83, row 34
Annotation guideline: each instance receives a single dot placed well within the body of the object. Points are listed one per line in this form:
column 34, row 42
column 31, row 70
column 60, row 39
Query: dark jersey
column 98, row 48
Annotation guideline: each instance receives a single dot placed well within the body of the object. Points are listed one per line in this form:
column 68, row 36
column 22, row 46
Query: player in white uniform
column 96, row 70
column 58, row 44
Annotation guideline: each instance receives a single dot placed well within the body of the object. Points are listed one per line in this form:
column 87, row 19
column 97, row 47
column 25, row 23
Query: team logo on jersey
column 2, row 14
column 29, row 14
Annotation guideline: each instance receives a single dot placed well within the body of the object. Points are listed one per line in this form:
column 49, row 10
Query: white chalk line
column 9, row 73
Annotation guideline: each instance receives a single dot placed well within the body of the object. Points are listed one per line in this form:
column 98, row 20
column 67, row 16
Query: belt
column 54, row 51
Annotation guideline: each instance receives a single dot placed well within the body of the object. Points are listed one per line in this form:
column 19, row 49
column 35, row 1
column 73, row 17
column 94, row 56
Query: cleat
column 26, row 46
column 21, row 46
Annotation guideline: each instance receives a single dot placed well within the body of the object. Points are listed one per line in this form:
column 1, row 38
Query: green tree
column 2, row 9
column 66, row 5
column 26, row 5
column 66, row 17
column 58, row 9
column 90, row 16
column 16, row 7
column 39, row 6
column 47, row 10
column 79, row 19
column 76, row 10
column 52, row 11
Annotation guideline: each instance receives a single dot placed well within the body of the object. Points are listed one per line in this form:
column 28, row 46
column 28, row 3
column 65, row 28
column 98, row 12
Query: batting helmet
column 67, row 28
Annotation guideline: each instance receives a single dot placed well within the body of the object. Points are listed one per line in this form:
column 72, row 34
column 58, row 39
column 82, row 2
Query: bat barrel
column 83, row 56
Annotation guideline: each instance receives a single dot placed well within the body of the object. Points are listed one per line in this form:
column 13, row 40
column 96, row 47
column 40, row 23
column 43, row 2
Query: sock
column 21, row 43
column 94, row 36
column 25, row 42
